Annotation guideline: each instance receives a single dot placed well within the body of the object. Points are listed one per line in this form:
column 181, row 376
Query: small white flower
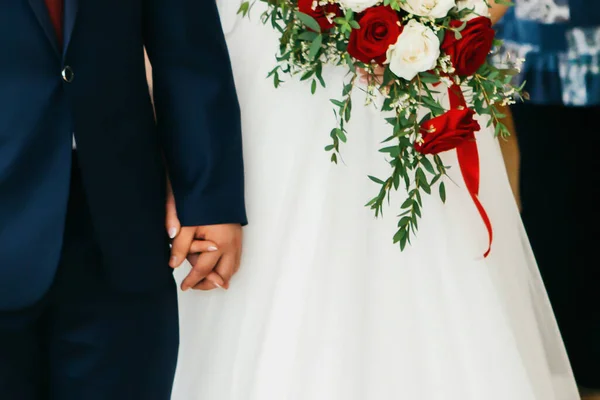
column 417, row 50
column 419, row 138
column 478, row 8
column 358, row 5
column 446, row 81
column 428, row 8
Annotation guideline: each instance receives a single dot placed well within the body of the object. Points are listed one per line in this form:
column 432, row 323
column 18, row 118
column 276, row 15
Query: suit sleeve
column 197, row 109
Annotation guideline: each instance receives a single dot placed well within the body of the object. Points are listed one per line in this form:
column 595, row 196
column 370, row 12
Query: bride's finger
column 226, row 267
column 172, row 222
column 181, row 246
column 211, row 282
column 203, row 246
column 363, row 76
column 202, row 268
column 374, row 76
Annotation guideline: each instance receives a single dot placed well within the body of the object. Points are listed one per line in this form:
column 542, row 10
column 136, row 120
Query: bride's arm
column 511, row 154
column 498, row 10
column 148, row 74
column 197, row 109
column 510, row 145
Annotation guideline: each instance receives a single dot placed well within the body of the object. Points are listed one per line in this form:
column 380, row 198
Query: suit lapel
column 71, row 7
column 41, row 12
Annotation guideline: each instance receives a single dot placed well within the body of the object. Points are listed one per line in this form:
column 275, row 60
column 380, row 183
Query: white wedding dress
column 325, row 306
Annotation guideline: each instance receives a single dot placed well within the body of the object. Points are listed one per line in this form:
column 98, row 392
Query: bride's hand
column 497, row 11
column 367, row 77
column 213, row 280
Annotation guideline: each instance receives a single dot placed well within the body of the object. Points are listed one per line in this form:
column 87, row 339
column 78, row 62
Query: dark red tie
column 55, row 8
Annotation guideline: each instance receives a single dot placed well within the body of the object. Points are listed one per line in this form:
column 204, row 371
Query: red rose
column 379, row 28
column 320, row 13
column 447, row 132
column 469, row 52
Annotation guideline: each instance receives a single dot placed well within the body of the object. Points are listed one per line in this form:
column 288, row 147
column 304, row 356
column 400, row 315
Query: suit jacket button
column 67, row 74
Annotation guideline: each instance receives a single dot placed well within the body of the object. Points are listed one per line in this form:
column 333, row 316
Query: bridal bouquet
column 405, row 51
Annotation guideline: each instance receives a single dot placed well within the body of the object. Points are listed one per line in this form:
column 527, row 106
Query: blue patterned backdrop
column 560, row 40
column 544, row 11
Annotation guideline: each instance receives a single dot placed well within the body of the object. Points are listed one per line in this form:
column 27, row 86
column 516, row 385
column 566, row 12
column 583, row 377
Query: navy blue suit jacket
column 94, row 85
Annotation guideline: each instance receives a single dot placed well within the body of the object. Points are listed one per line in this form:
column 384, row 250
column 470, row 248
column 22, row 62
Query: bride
column 325, row 306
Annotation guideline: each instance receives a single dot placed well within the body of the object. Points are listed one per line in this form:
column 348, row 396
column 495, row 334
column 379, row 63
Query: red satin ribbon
column 468, row 160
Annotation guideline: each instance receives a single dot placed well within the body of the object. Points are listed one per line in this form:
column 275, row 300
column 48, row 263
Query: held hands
column 214, row 251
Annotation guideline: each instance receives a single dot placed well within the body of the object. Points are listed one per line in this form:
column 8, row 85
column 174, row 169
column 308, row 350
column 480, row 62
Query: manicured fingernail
column 174, row 261
column 172, row 233
column 217, row 285
column 212, row 248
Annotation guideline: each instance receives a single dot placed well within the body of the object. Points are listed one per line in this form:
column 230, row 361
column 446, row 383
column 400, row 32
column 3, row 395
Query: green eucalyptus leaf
column 376, row 180
column 427, row 164
column 315, row 47
column 401, row 234
column 443, row 192
column 244, row 8
column 407, row 203
column 308, row 36
column 308, row 21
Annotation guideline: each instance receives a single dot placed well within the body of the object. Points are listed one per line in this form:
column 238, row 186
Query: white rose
column 428, row 8
column 358, row 5
column 417, row 50
column 478, row 8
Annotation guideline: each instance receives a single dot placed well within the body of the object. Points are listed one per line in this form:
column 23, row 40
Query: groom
column 88, row 306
